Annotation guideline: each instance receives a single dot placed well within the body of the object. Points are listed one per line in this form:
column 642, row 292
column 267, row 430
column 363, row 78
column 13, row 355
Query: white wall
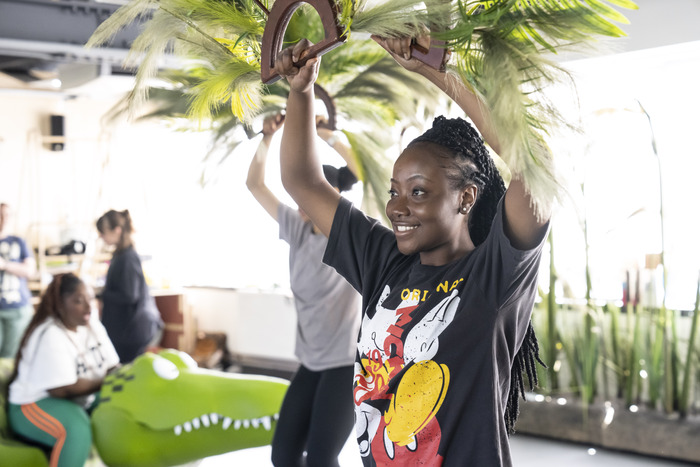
column 102, row 166
column 257, row 324
column 150, row 168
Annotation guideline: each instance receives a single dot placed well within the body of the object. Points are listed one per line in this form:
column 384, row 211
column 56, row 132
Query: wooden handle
column 435, row 57
column 276, row 26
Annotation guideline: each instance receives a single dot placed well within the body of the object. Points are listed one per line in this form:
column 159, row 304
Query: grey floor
column 527, row 451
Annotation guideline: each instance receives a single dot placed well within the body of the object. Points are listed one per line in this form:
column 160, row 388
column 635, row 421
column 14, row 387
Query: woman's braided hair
column 473, row 164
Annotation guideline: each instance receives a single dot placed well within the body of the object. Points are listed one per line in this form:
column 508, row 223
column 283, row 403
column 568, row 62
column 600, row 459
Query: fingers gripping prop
column 276, row 26
column 278, row 19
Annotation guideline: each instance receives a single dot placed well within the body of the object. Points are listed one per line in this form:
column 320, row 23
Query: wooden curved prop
column 278, row 19
column 330, row 106
column 276, row 26
column 435, row 57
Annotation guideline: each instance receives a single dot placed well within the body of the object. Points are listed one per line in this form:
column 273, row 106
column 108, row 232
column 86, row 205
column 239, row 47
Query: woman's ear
column 467, row 199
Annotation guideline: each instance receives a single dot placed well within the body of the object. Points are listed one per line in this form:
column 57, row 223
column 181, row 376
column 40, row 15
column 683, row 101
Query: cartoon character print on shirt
column 407, row 431
column 91, row 361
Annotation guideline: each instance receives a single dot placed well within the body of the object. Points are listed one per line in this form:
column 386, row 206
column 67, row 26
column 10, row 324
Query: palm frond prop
column 501, row 49
column 368, row 93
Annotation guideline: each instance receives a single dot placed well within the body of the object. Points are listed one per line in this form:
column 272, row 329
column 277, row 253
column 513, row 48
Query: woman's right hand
column 300, row 78
column 271, row 124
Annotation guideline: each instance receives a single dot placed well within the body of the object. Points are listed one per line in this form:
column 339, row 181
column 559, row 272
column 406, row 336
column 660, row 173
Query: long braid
column 525, row 361
column 472, row 164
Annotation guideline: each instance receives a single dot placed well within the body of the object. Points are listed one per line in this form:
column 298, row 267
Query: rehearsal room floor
column 527, row 451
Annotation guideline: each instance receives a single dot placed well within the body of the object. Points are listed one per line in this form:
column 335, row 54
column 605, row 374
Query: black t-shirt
column 436, row 346
column 129, row 313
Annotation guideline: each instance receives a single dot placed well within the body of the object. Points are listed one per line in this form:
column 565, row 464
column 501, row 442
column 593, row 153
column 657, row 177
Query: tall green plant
column 684, row 400
column 631, row 365
column 552, row 333
column 582, row 349
column 618, row 348
column 667, row 331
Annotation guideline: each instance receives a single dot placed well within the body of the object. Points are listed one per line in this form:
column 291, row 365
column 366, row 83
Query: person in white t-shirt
column 63, row 358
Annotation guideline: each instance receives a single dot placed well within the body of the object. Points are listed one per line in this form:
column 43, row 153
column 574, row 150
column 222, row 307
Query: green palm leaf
column 501, row 49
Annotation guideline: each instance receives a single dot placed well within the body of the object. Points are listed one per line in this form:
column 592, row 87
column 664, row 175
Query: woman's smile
column 424, row 209
column 398, row 228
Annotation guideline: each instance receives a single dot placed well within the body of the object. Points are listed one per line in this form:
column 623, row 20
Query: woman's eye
column 392, row 193
column 418, row 192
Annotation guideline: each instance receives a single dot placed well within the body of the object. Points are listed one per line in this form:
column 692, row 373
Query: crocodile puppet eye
column 165, row 368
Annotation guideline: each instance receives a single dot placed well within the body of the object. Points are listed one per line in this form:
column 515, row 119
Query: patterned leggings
column 59, row 424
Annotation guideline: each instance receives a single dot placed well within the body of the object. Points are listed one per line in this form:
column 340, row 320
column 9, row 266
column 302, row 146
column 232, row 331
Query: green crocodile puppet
column 163, row 410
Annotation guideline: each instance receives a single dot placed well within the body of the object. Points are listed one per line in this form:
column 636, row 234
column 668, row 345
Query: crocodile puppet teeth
column 207, row 420
column 162, row 410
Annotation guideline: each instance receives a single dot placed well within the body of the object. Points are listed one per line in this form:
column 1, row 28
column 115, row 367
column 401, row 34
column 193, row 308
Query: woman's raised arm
column 256, row 172
column 523, row 226
column 302, row 173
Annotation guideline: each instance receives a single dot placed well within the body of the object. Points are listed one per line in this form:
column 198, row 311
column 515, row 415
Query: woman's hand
column 81, row 387
column 272, row 123
column 300, row 78
column 400, row 49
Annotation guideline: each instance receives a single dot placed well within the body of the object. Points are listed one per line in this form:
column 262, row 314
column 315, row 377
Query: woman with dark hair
column 63, row 358
column 447, row 291
column 317, row 414
column 129, row 312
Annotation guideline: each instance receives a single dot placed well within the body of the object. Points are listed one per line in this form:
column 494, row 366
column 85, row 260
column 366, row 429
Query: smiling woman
column 419, row 207
column 447, row 292
column 458, row 177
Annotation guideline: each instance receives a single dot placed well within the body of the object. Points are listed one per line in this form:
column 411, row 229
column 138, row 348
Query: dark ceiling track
column 40, row 34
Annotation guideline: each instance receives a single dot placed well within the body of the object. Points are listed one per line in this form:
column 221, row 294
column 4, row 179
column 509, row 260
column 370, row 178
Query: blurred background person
column 317, row 413
column 17, row 264
column 64, row 356
column 129, row 312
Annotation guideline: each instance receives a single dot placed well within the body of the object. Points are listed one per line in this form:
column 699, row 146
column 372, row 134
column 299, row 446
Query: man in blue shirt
column 16, row 266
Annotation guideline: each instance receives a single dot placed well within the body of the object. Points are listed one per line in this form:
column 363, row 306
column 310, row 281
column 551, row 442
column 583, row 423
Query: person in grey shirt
column 317, row 413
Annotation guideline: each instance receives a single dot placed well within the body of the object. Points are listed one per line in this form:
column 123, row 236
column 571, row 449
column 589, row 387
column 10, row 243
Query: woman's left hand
column 301, row 78
column 400, row 49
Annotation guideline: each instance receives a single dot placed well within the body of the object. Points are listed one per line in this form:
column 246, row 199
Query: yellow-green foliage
column 500, row 50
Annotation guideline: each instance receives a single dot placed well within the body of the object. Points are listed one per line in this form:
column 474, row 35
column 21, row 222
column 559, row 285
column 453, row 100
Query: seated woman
column 63, row 358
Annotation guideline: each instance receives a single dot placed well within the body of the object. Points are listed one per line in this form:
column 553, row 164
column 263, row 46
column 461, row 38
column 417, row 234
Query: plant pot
column 613, row 426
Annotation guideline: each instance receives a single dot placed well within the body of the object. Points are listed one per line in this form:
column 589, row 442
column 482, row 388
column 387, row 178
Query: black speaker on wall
column 57, row 131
